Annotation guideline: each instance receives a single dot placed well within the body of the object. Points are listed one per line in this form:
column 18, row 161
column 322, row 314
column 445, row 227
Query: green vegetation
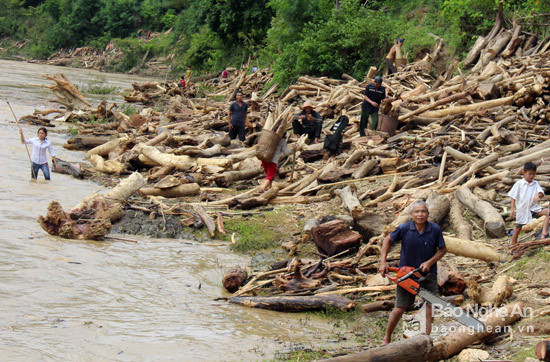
column 256, row 232
column 99, row 86
column 73, row 131
column 295, row 37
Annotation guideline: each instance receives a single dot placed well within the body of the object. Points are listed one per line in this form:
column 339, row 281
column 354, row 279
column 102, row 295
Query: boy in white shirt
column 525, row 196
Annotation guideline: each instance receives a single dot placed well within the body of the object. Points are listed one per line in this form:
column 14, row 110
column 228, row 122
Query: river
column 82, row 300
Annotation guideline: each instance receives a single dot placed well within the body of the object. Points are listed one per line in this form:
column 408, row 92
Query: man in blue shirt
column 373, row 95
column 422, row 245
column 237, row 118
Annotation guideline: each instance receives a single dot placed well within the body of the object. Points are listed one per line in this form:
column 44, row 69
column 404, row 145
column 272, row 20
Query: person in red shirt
column 182, row 81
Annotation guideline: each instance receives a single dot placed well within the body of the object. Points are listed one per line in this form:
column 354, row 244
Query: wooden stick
column 26, row 147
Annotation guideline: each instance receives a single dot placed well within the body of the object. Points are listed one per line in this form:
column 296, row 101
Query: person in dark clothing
column 422, row 246
column 237, row 118
column 308, row 122
column 373, row 95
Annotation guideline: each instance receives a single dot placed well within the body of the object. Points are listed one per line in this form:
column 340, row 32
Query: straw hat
column 307, row 104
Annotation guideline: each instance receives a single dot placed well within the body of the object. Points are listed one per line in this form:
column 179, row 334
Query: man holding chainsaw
column 422, row 245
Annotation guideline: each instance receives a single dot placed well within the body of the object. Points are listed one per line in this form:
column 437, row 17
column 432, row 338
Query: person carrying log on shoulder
column 525, row 196
column 308, row 122
column 390, row 59
column 39, row 159
column 237, row 118
column 373, row 95
column 422, row 245
column 271, row 167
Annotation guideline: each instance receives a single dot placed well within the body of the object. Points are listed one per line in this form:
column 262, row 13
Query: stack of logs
column 461, row 142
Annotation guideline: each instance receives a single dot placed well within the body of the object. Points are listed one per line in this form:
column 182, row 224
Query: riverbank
column 445, row 155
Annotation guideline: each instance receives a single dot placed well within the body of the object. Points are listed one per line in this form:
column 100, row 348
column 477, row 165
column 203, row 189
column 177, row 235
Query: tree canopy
column 317, row 37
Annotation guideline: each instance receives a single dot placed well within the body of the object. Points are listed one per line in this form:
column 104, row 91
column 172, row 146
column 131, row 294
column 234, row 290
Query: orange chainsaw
column 409, row 279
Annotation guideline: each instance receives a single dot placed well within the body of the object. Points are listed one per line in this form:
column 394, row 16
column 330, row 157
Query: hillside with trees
column 294, row 37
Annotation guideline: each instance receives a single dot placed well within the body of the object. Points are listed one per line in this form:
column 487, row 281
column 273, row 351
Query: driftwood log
column 295, row 304
column 495, row 322
column 234, row 278
column 494, row 224
column 414, row 349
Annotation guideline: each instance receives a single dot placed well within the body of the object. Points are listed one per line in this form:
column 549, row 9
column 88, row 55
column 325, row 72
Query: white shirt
column 38, row 154
column 524, row 193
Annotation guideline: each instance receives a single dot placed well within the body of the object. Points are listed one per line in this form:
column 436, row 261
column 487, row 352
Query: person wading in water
column 39, row 160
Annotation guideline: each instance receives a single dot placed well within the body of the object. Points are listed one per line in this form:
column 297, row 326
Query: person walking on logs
column 390, row 59
column 271, row 167
column 237, row 117
column 422, row 246
column 374, row 94
column 308, row 122
column 39, row 160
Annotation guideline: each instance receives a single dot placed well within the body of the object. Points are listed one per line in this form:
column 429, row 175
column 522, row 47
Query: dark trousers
column 43, row 167
column 391, row 66
column 312, row 129
column 237, row 130
column 365, row 121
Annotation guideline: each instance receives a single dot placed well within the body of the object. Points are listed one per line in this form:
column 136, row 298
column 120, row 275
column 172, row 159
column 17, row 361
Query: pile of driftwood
column 460, row 143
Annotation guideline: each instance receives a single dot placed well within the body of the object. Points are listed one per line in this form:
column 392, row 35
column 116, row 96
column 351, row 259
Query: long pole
column 26, row 147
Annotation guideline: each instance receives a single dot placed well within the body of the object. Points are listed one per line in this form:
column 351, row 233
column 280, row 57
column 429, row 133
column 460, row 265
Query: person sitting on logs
column 308, row 122
column 39, row 159
column 271, row 167
column 390, row 59
column 524, row 197
column 237, row 118
column 422, row 245
column 182, row 81
column 373, row 95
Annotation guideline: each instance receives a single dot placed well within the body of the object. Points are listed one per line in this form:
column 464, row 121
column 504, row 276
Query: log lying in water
column 295, row 303
column 234, row 278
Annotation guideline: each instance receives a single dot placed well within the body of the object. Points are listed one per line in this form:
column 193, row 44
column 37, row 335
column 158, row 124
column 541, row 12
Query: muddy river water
column 150, row 300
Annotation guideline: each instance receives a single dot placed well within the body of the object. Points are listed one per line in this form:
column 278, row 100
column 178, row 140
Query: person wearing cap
column 390, row 59
column 308, row 121
column 373, row 95
column 237, row 117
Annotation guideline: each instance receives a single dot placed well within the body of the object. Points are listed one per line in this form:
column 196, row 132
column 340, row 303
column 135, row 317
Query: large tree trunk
column 495, row 322
column 472, row 249
column 500, row 291
column 449, row 280
column 171, row 192
column 92, row 217
column 109, row 166
column 414, row 349
column 494, row 224
column 227, row 178
column 438, row 205
column 460, row 225
column 294, row 303
column 470, row 107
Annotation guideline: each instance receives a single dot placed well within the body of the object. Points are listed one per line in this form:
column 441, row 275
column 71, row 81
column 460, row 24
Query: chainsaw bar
column 456, row 312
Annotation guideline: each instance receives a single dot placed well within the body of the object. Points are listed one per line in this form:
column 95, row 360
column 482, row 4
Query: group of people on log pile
column 422, row 242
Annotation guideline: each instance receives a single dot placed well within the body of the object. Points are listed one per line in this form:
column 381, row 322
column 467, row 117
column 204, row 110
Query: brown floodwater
column 79, row 300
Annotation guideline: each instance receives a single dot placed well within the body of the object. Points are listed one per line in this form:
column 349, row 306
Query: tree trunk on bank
column 494, row 224
column 495, row 322
column 295, row 303
column 414, row 349
column 472, row 249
